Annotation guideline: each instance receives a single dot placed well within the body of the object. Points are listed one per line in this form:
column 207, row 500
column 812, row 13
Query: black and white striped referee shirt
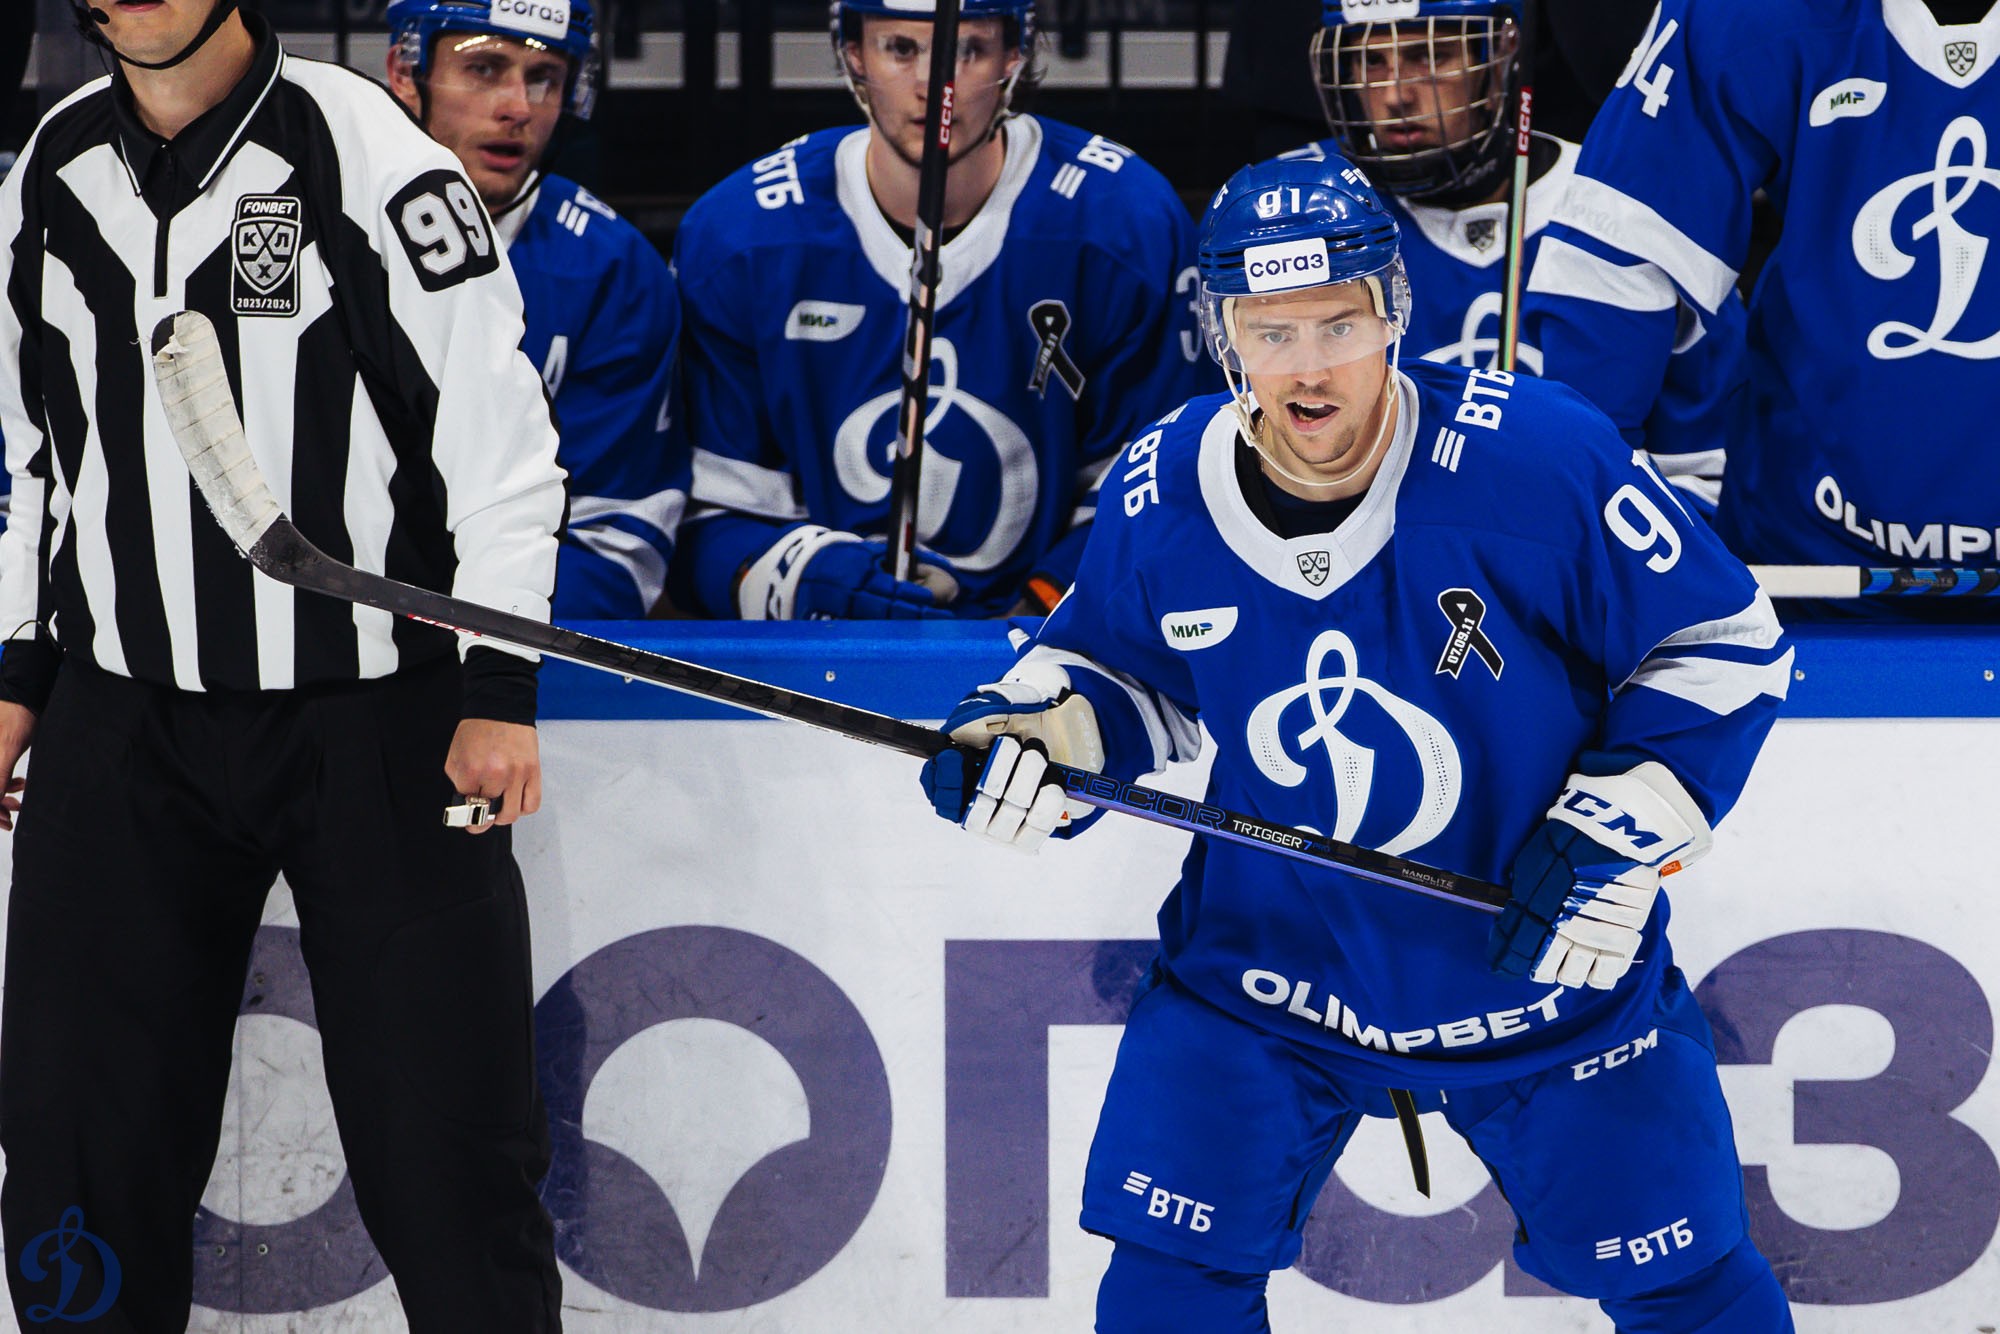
column 372, row 330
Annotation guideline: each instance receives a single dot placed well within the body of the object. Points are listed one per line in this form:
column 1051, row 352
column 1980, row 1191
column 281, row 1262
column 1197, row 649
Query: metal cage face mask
column 1420, row 105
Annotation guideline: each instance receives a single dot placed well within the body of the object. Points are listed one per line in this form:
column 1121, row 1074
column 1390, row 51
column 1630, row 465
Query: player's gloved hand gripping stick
column 194, row 390
column 1584, row 884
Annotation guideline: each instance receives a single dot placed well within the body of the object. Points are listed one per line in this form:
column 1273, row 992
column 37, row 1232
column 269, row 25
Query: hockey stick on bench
column 1862, row 581
column 194, row 389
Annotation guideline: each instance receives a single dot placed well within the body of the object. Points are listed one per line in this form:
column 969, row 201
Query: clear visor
column 1298, row 333
column 903, row 59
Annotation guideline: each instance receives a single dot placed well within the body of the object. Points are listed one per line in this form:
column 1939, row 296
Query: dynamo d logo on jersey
column 265, row 242
column 1357, row 770
column 965, row 437
column 1955, row 186
column 537, row 18
column 1283, row 265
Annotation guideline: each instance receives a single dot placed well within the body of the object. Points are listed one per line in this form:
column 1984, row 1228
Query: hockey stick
column 1517, row 195
column 925, row 273
column 194, row 389
column 1863, row 581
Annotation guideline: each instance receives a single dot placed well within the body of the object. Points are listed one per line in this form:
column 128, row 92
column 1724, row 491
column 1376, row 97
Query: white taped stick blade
column 201, row 412
column 1808, row 581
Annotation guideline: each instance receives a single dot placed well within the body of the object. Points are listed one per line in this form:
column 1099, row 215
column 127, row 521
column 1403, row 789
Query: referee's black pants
column 153, row 825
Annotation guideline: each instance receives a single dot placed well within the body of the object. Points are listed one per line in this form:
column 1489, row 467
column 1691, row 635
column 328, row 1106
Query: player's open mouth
column 1310, row 416
column 503, row 156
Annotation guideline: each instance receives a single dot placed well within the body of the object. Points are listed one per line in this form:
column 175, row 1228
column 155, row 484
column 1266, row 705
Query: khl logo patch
column 1315, row 566
column 1465, row 609
column 265, row 241
column 1961, row 56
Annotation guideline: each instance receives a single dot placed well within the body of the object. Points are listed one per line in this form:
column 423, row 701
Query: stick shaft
column 285, row 554
column 926, row 271
column 1517, row 196
column 200, row 410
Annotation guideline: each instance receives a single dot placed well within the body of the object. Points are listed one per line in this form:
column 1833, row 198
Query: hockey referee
column 198, row 728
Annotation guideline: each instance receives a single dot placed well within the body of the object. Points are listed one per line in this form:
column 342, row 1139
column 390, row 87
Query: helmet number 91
column 1637, row 522
column 1273, row 202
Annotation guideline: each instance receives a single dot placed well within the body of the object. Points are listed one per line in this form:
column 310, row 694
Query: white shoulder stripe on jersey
column 662, row 510
column 1619, row 220
column 1716, row 684
column 1561, row 269
column 738, row 485
column 1697, row 472
column 640, row 559
column 1756, row 626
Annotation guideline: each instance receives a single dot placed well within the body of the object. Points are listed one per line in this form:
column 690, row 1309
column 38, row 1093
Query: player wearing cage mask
column 1422, row 95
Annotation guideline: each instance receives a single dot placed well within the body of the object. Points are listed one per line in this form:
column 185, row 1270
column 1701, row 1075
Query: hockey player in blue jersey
column 1445, row 613
column 491, row 83
column 1864, row 436
column 1419, row 96
column 1065, row 314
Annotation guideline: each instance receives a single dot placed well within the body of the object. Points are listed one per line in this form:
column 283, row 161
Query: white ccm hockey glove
column 1021, row 724
column 1584, row 884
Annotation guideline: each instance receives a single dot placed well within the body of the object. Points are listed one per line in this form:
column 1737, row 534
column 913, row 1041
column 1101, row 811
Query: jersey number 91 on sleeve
column 443, row 230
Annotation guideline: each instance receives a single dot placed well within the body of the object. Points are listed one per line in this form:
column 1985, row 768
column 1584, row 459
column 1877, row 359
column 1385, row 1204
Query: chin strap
column 1250, row 418
column 89, row 19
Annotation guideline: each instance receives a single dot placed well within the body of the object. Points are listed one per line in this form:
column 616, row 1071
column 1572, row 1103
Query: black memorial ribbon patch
column 1050, row 321
column 1465, row 609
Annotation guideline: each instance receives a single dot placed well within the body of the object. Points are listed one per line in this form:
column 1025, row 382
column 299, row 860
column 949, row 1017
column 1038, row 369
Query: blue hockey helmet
column 564, row 26
column 1417, row 92
column 1294, row 223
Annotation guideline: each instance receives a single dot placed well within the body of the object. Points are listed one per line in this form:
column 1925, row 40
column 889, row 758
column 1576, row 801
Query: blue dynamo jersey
column 1457, row 261
column 1518, row 596
column 603, row 319
column 1875, row 324
column 1065, row 322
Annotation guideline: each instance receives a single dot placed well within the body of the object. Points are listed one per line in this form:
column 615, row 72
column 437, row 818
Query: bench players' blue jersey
column 1457, row 260
column 1874, row 339
column 1064, row 323
column 603, row 321
column 1517, row 597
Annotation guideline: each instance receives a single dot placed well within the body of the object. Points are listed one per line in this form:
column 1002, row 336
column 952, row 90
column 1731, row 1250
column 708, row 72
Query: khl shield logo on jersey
column 1315, row 566
column 1352, row 765
column 265, row 241
column 1961, row 56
